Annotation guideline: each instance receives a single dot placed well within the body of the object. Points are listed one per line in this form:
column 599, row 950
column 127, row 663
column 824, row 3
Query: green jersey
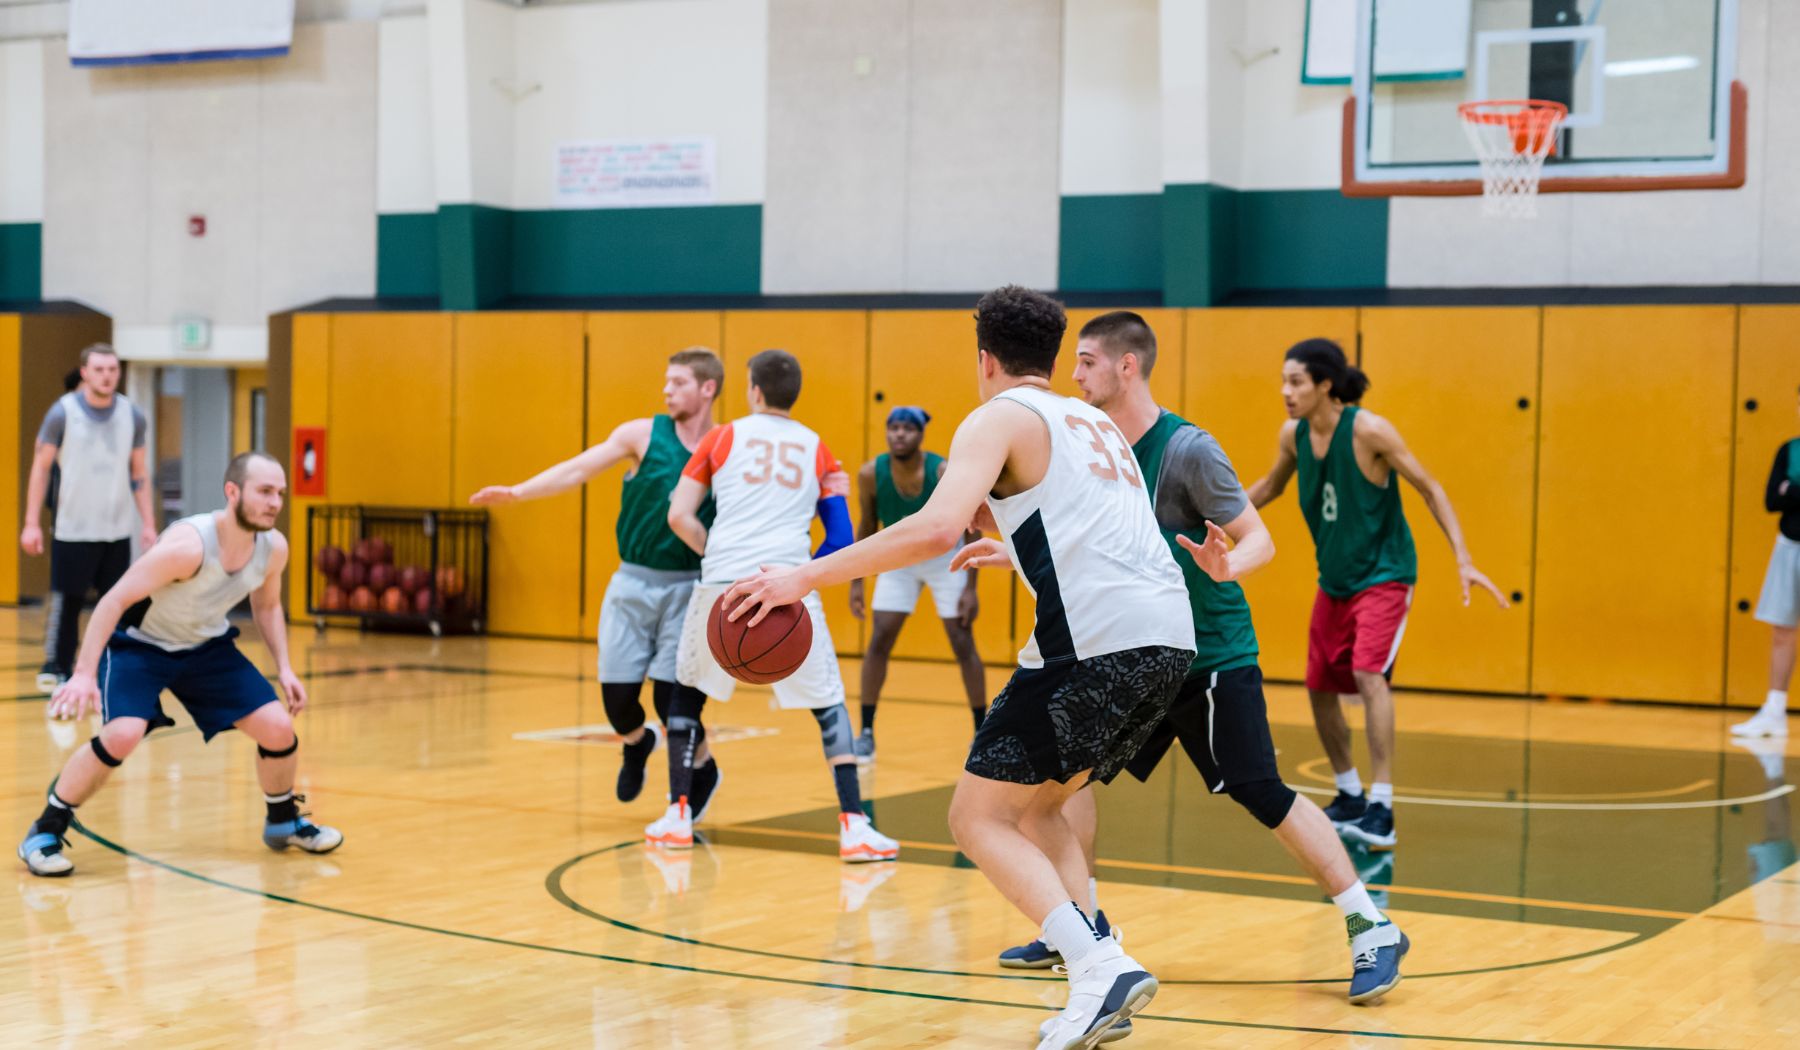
column 1190, row 485
column 890, row 505
column 1357, row 526
column 643, row 530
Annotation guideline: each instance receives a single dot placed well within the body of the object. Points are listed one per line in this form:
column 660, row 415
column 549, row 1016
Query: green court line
column 553, row 884
column 798, row 982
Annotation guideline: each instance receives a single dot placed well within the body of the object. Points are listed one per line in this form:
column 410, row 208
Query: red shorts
column 1358, row 633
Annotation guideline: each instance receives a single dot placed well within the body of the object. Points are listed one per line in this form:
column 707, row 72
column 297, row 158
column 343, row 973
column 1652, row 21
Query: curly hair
column 1023, row 329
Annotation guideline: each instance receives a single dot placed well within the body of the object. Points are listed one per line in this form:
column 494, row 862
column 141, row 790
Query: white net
column 1512, row 140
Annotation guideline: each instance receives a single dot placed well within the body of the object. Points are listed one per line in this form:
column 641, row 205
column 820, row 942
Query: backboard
column 1648, row 83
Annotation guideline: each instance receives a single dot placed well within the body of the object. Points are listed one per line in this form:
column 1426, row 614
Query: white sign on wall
column 631, row 173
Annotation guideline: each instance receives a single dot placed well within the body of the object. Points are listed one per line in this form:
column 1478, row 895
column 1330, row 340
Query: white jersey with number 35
column 1086, row 542
column 766, row 473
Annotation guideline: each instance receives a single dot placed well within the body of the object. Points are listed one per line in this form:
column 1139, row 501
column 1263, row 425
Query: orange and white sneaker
column 859, row 842
column 674, row 829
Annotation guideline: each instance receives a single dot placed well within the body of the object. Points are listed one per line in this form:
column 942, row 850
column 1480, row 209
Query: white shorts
column 816, row 684
column 898, row 591
column 1780, row 601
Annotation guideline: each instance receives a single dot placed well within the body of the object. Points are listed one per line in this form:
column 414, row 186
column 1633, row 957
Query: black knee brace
column 283, row 753
column 660, row 692
column 105, row 756
column 685, row 705
column 834, row 731
column 1267, row 800
column 623, row 710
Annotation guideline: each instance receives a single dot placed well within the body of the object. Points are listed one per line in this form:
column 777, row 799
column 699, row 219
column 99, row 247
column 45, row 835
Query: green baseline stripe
column 834, row 985
column 21, row 261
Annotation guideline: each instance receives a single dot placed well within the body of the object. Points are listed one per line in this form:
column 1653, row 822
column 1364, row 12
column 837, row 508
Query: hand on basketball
column 76, row 698
column 1213, row 556
column 495, row 496
column 31, row 540
column 292, row 692
column 981, row 554
column 1469, row 574
column 774, row 586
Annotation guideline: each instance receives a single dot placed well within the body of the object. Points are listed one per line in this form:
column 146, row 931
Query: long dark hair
column 1325, row 360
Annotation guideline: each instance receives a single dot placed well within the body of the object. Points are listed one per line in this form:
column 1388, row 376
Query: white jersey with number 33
column 765, row 472
column 1086, row 542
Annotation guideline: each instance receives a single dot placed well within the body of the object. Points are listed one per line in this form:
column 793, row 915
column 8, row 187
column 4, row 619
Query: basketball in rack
column 1512, row 138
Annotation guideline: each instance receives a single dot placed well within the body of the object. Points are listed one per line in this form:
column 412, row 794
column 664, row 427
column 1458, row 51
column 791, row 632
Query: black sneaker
column 1346, row 809
column 1375, row 830
column 631, row 770
column 706, row 783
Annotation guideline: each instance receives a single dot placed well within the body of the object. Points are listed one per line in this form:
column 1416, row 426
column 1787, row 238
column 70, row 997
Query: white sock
column 1775, row 704
column 1069, row 932
column 59, row 803
column 1349, row 783
column 1094, row 896
column 1382, row 793
column 283, row 797
column 1369, row 931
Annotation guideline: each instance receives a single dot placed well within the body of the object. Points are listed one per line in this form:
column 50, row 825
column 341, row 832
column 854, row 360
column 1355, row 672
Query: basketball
column 382, row 576
column 334, row 598
column 765, row 653
column 362, row 600
column 330, row 561
column 449, row 580
column 421, row 600
column 394, row 600
column 413, row 579
column 381, row 552
column 353, row 575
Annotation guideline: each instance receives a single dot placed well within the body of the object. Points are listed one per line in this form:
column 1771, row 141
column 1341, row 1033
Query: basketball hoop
column 1512, row 139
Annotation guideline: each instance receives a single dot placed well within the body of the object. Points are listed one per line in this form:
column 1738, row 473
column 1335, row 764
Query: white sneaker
column 1763, row 723
column 1105, row 988
column 859, row 842
column 1121, row 1030
column 47, row 681
column 674, row 829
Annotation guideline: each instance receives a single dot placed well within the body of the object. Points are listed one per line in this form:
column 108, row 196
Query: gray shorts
column 1780, row 602
column 640, row 623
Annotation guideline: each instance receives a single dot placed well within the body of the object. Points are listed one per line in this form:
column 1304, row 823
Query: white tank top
column 94, row 503
column 1086, row 542
column 191, row 612
column 765, row 472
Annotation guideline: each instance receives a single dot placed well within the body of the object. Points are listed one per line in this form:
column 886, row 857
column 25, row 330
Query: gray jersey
column 1197, row 483
column 188, row 613
column 93, row 448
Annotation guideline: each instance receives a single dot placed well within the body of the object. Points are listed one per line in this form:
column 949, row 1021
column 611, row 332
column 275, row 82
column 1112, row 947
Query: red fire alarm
column 196, row 226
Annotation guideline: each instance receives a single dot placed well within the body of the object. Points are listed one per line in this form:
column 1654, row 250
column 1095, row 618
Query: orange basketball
column 768, row 652
column 394, row 601
column 362, row 600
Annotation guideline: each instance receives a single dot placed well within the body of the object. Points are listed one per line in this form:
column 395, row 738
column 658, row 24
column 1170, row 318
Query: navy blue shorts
column 217, row 684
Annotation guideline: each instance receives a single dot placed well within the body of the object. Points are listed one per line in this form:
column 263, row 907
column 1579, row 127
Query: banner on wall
column 634, row 173
column 132, row 32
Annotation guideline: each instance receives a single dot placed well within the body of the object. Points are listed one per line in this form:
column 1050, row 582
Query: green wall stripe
column 1199, row 243
column 714, row 249
column 21, row 261
column 1111, row 243
column 474, row 255
column 406, row 255
column 1310, row 239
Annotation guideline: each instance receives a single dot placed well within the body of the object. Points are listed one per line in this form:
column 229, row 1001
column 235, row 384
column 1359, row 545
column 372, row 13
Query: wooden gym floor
column 1571, row 875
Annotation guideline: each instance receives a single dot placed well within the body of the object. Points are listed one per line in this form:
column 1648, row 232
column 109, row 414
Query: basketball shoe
column 1105, row 988
column 859, row 842
column 674, row 829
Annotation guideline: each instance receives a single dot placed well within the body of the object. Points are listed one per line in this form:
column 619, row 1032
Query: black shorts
column 1223, row 724
column 1052, row 722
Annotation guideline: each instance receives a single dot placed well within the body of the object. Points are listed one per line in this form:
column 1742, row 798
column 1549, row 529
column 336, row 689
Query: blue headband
column 918, row 417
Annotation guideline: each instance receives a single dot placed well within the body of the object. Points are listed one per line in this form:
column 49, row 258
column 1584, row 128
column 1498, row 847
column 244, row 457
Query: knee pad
column 100, row 752
column 283, row 753
column 834, row 731
column 623, row 710
column 1267, row 800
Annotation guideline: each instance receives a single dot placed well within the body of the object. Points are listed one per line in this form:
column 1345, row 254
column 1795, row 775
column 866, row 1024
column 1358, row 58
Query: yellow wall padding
column 517, row 406
column 1768, row 374
column 389, row 441
column 1634, row 502
column 1233, row 389
column 1460, row 384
